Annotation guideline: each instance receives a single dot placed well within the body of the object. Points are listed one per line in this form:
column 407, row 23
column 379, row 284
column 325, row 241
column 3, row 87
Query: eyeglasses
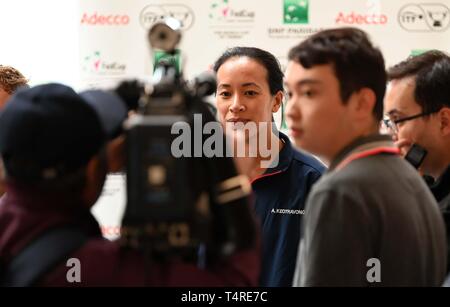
column 393, row 124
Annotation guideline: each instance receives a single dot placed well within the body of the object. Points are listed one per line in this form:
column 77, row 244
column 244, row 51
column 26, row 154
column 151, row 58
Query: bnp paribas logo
column 295, row 11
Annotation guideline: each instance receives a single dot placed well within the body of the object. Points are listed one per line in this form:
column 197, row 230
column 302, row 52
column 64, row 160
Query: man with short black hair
column 370, row 220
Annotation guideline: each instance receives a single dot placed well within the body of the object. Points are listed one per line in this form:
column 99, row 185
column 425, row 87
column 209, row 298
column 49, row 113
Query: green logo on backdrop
column 161, row 57
column 415, row 52
column 296, row 11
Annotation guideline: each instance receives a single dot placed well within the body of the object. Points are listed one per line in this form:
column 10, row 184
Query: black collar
column 284, row 156
column 441, row 187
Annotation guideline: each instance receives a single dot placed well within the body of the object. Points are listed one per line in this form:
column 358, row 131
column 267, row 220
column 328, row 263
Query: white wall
column 40, row 38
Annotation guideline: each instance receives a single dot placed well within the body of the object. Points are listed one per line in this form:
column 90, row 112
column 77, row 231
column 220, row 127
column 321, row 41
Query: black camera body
column 178, row 204
column 163, row 212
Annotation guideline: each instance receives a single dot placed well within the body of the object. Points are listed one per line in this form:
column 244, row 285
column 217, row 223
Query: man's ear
column 115, row 152
column 96, row 170
column 2, row 170
column 364, row 103
column 2, row 177
column 278, row 100
column 444, row 120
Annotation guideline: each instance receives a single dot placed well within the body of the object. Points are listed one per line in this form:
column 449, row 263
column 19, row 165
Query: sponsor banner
column 113, row 42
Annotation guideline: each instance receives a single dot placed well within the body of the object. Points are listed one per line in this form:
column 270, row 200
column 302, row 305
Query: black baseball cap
column 49, row 130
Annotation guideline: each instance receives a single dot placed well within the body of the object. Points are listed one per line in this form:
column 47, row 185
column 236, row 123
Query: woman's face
column 243, row 93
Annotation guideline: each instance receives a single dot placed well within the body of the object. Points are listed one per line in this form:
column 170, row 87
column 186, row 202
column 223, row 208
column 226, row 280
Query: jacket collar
column 284, row 156
column 441, row 187
column 363, row 144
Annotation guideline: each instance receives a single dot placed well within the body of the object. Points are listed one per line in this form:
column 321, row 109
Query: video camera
column 179, row 206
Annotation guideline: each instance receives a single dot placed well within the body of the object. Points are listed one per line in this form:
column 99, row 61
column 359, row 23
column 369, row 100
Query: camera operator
column 52, row 145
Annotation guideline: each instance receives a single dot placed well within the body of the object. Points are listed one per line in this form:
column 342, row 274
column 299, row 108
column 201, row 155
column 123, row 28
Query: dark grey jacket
column 372, row 220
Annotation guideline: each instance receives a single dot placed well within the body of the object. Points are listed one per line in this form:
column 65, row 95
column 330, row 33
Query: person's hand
column 404, row 145
column 116, row 151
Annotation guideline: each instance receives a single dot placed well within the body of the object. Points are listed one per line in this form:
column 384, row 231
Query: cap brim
column 109, row 107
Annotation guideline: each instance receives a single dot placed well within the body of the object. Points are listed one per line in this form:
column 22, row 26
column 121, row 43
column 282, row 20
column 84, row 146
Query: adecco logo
column 153, row 13
column 361, row 19
column 108, row 20
column 424, row 17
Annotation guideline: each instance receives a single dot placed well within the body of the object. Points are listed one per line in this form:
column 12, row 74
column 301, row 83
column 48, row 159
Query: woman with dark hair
column 249, row 91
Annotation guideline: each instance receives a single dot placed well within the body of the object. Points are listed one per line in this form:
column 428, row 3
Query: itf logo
column 296, row 11
column 153, row 13
column 424, row 17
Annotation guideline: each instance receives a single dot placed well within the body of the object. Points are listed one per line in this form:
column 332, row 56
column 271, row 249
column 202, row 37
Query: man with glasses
column 417, row 108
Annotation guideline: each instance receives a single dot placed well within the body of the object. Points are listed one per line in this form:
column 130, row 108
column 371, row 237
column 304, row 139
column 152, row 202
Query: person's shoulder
column 308, row 162
column 305, row 161
column 375, row 174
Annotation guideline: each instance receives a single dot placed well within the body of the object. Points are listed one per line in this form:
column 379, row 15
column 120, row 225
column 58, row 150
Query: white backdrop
column 399, row 27
column 47, row 40
column 113, row 38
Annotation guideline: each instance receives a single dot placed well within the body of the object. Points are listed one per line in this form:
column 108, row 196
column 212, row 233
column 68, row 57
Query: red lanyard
column 367, row 153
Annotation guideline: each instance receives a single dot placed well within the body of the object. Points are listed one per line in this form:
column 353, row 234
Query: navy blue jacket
column 280, row 197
